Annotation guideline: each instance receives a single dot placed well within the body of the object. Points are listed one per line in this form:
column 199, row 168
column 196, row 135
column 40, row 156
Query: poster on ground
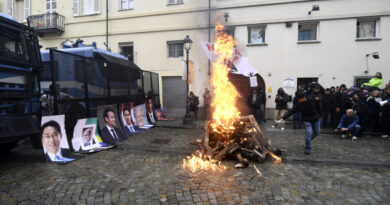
column 110, row 129
column 86, row 137
column 138, row 114
column 54, row 140
column 129, row 126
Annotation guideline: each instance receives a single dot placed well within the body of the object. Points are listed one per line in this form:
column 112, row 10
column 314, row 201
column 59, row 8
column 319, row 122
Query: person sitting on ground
column 375, row 82
column 160, row 116
column 349, row 123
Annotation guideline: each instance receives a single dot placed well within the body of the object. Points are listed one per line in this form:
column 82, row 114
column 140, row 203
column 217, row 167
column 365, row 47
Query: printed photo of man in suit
column 51, row 138
column 110, row 133
column 87, row 139
column 129, row 128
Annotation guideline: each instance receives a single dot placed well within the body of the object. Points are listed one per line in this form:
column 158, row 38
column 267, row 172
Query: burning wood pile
column 228, row 134
column 243, row 141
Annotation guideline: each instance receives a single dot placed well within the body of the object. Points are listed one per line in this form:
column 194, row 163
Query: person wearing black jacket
column 329, row 106
column 281, row 101
column 385, row 114
column 340, row 105
column 311, row 115
column 254, row 101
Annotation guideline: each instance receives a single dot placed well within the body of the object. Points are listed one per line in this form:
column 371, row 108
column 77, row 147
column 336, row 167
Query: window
column 86, row 7
column 51, row 6
column 10, row 9
column 256, row 34
column 307, row 31
column 171, row 2
column 175, row 49
column 367, row 28
column 127, row 4
column 13, row 45
column 26, row 9
column 230, row 30
column 127, row 50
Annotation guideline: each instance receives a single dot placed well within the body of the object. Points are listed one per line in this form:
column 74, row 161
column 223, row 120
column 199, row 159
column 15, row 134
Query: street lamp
column 375, row 55
column 187, row 46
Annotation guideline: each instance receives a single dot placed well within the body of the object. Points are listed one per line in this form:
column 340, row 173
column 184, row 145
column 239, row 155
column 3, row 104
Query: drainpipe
column 209, row 11
column 106, row 24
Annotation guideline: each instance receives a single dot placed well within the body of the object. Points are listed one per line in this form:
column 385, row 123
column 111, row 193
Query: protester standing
column 281, row 101
column 385, row 113
column 206, row 101
column 254, row 103
column 329, row 106
column 311, row 115
column 193, row 102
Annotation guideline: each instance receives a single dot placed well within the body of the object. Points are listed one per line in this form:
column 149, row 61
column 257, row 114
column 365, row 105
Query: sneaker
column 273, row 126
column 307, row 151
column 282, row 128
column 385, row 136
column 343, row 136
column 354, row 138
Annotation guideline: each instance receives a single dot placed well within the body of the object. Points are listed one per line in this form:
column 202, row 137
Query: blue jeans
column 312, row 131
column 355, row 130
column 297, row 119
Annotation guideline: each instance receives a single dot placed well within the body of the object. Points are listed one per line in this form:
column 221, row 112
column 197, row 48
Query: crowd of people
column 347, row 110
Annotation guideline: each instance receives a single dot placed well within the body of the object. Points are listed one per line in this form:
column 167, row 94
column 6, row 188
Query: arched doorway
column 243, row 87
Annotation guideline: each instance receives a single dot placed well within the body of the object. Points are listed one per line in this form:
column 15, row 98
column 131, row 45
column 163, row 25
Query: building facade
column 329, row 41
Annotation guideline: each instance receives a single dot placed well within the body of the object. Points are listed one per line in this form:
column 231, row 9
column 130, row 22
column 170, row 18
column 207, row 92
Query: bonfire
column 228, row 134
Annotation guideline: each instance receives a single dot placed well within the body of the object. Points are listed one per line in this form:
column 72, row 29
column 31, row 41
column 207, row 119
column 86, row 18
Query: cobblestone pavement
column 138, row 171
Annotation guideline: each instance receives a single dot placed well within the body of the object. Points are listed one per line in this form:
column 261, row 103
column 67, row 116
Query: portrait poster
column 86, row 136
column 109, row 124
column 129, row 126
column 54, row 139
column 138, row 114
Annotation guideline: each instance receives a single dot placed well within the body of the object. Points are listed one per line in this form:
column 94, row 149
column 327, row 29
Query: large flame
column 225, row 111
column 199, row 162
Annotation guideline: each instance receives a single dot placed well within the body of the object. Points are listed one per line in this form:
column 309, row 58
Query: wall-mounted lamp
column 375, row 55
column 226, row 16
column 315, row 8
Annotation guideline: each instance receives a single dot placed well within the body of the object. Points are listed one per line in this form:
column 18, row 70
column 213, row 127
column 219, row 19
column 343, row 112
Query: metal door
column 174, row 96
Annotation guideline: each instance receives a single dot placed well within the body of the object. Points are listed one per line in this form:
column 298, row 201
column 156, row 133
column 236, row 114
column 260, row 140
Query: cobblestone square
column 138, row 171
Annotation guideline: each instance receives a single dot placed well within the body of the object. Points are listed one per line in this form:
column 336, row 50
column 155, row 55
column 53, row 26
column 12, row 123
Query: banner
column 237, row 63
column 54, row 139
column 190, row 71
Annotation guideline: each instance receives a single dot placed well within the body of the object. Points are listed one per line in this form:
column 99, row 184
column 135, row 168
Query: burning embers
column 228, row 134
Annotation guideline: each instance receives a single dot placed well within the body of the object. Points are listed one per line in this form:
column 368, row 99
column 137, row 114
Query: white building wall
column 335, row 60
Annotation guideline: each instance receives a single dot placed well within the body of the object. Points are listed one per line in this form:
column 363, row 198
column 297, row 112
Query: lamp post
column 187, row 46
column 375, row 55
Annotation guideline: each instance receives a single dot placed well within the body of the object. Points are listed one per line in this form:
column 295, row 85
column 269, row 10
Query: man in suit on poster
column 51, row 138
column 129, row 128
column 110, row 133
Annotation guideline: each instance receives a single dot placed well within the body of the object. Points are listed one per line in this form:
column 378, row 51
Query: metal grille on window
column 366, row 29
column 257, row 35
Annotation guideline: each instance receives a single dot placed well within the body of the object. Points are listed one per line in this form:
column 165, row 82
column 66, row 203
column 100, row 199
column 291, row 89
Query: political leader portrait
column 129, row 127
column 110, row 132
column 51, row 138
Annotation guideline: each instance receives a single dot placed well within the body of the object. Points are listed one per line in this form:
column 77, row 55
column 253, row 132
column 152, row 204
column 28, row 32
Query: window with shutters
column 367, row 28
column 26, row 9
column 126, row 4
column 174, row 2
column 175, row 49
column 10, row 7
column 86, row 7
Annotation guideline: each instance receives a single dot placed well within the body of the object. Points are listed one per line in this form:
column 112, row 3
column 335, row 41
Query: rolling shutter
column 174, row 96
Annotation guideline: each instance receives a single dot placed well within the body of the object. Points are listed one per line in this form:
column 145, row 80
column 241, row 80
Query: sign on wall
column 288, row 83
